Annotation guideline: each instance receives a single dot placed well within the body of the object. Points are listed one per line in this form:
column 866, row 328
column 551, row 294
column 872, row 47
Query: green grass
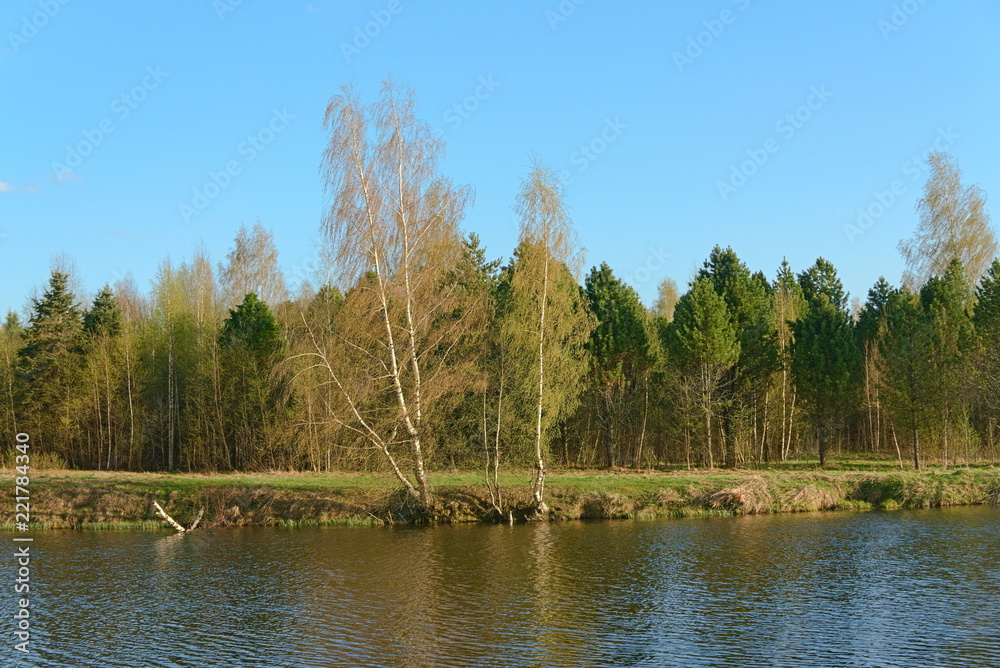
column 123, row 500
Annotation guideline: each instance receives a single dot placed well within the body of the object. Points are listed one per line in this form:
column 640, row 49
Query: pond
column 903, row 588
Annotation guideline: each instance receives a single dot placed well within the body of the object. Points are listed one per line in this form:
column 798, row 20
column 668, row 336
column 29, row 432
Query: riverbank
column 122, row 500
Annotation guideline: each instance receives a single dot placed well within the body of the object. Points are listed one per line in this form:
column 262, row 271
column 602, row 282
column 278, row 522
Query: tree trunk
column 609, row 434
column 822, row 447
column 645, row 413
column 170, row 398
column 708, row 438
column 538, row 489
column 729, row 437
column 823, row 442
column 899, row 453
column 947, row 421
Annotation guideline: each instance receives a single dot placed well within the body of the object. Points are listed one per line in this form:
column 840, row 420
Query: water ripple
column 903, row 589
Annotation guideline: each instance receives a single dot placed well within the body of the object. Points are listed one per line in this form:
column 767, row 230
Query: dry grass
column 752, row 497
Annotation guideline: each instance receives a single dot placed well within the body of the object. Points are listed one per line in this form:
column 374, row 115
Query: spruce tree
column 252, row 346
column 49, row 368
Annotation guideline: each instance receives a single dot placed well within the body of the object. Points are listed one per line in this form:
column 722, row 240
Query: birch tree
column 788, row 305
column 11, row 334
column 546, row 312
column 393, row 224
column 102, row 325
column 252, row 266
column 954, row 223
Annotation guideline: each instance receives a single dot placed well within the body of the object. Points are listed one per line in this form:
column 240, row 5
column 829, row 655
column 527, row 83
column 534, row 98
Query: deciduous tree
column 546, row 313
column 953, row 224
column 394, row 227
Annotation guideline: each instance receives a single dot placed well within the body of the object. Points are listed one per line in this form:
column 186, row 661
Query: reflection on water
column 915, row 588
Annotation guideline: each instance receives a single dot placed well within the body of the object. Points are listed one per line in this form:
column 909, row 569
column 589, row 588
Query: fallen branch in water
column 174, row 523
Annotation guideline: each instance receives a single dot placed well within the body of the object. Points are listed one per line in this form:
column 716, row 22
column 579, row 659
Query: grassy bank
column 97, row 500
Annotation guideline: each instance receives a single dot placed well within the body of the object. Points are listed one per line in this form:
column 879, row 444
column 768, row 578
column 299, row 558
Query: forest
column 418, row 351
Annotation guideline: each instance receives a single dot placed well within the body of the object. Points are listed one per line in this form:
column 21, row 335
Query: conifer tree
column 252, row 346
column 906, row 349
column 102, row 326
column 619, row 348
column 49, row 369
column 747, row 298
column 824, row 357
column 947, row 302
column 986, row 318
column 870, row 331
column 703, row 341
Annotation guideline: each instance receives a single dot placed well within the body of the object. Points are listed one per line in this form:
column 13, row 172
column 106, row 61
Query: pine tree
column 870, row 331
column 947, row 302
column 704, row 343
column 987, row 323
column 104, row 316
column 987, row 310
column 747, row 298
column 906, row 349
column 824, row 357
column 619, row 350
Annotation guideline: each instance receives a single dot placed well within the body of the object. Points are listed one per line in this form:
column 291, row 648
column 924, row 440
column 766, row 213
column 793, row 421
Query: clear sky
column 764, row 126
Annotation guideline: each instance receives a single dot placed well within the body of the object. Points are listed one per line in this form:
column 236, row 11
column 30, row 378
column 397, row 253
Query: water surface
column 905, row 588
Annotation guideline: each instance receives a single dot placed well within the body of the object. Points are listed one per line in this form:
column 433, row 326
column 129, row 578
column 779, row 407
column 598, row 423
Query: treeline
column 739, row 370
column 424, row 353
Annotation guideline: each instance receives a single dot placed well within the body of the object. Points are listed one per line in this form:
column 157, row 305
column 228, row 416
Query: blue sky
column 679, row 126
